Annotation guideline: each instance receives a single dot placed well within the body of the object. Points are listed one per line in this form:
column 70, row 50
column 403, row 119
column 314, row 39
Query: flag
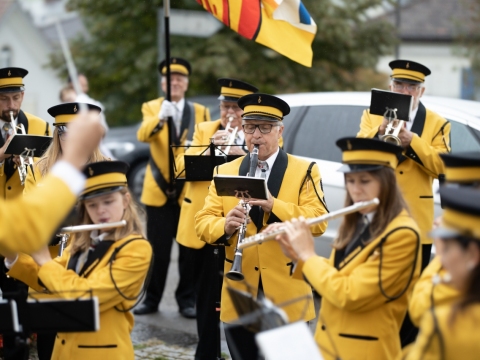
column 282, row 25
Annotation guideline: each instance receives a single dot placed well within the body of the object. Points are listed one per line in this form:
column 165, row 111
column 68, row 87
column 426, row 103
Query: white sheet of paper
column 292, row 341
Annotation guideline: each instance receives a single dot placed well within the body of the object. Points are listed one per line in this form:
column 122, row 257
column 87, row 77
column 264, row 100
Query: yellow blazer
column 420, row 163
column 357, row 321
column 149, row 132
column 195, row 191
column 129, row 270
column 267, row 261
column 459, row 340
column 421, row 300
column 29, row 222
column 10, row 185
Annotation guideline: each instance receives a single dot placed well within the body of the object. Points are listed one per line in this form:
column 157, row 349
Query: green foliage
column 120, row 56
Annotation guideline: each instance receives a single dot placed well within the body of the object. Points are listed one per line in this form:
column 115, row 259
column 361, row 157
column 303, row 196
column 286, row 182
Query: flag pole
column 168, row 96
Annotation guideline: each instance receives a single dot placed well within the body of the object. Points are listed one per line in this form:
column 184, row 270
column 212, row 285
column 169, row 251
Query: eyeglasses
column 235, row 108
column 410, row 87
column 62, row 132
column 264, row 128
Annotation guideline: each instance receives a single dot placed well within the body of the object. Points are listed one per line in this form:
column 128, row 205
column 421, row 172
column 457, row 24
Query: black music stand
column 200, row 167
column 28, row 145
column 48, row 315
column 241, row 187
column 391, row 105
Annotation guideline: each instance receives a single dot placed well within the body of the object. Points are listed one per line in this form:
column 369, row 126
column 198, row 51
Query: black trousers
column 162, row 225
column 408, row 331
column 12, row 288
column 209, row 267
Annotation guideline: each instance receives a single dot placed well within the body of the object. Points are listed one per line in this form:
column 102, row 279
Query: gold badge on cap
column 90, row 171
column 230, row 84
column 408, row 65
column 174, row 60
column 349, row 145
column 9, row 73
column 75, row 108
column 259, row 99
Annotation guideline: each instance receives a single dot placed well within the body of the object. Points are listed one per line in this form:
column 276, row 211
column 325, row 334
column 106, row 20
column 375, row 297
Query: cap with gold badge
column 461, row 215
column 177, row 66
column 462, row 167
column 263, row 107
column 65, row 113
column 11, row 79
column 233, row 89
column 364, row 154
column 104, row 177
column 408, row 71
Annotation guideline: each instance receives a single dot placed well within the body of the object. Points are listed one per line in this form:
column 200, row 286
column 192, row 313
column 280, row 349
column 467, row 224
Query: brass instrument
column 271, row 235
column 230, row 138
column 393, row 128
column 235, row 272
column 66, row 231
column 22, row 168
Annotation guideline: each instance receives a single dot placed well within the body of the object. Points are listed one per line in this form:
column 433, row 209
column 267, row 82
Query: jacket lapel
column 417, row 127
column 344, row 256
column 95, row 257
column 22, row 119
column 187, row 114
column 72, row 262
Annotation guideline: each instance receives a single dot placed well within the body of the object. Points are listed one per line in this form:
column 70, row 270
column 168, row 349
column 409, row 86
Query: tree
column 120, row 56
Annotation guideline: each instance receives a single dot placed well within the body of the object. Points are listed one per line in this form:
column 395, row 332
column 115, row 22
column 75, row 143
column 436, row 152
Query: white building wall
column 30, row 51
column 442, row 59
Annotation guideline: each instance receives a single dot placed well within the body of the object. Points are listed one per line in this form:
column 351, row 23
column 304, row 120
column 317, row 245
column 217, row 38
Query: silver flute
column 271, row 235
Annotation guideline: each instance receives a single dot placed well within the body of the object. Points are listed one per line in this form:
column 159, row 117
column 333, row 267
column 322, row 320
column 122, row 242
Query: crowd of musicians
column 384, row 293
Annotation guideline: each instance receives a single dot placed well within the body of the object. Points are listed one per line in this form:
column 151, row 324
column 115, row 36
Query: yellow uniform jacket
column 424, row 291
column 10, row 185
column 420, row 163
column 293, row 197
column 364, row 296
column 195, row 191
column 438, row 339
column 28, row 222
column 129, row 270
column 150, row 132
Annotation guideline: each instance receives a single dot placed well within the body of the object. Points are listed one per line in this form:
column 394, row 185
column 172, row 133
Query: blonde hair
column 391, row 204
column 81, row 241
column 54, row 151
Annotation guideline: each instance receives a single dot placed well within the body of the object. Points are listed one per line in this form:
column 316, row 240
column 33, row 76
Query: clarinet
column 235, row 272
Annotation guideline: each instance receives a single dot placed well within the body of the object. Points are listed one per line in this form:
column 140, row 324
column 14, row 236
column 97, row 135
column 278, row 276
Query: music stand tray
column 241, row 187
column 399, row 105
column 28, row 145
column 200, row 168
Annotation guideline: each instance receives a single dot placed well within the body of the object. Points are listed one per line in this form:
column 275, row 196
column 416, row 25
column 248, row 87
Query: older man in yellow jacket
column 161, row 199
column 294, row 190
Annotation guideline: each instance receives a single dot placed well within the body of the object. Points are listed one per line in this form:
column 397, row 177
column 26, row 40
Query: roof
column 431, row 20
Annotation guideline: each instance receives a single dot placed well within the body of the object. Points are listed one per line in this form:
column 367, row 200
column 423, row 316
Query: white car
column 317, row 120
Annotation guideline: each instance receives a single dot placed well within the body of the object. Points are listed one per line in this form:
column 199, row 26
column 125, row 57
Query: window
column 321, row 127
column 464, row 138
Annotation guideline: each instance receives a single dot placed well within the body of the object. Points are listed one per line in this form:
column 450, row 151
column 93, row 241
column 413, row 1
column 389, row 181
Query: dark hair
column 471, row 294
column 391, row 204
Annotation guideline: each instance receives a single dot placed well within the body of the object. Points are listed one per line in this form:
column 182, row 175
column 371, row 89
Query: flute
column 271, row 235
column 90, row 227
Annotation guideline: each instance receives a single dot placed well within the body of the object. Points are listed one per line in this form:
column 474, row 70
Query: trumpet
column 65, row 232
column 233, row 134
column 393, row 128
column 22, row 169
column 235, row 272
column 271, row 235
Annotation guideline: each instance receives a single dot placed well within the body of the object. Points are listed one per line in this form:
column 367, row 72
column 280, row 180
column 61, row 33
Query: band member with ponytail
column 374, row 264
column 112, row 263
column 63, row 115
column 294, row 190
column 451, row 331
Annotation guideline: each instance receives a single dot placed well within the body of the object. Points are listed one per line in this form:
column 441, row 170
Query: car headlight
column 120, row 149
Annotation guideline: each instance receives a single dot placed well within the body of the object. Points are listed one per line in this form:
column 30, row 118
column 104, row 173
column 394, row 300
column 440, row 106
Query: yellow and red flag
column 282, row 25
